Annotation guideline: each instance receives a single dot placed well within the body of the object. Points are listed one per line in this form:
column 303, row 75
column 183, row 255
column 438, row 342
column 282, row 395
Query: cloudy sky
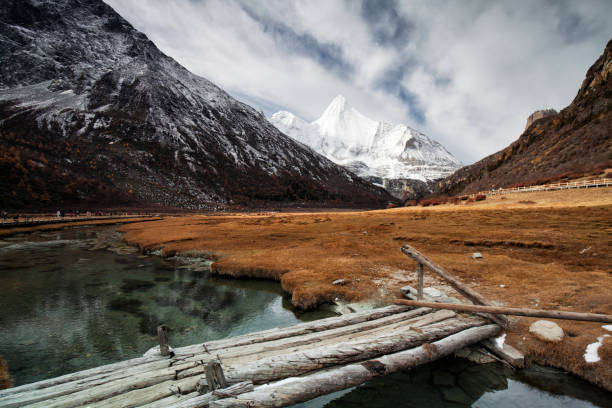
column 467, row 73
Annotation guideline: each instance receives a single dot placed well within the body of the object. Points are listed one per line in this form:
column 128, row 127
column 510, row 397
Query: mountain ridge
column 109, row 107
column 575, row 140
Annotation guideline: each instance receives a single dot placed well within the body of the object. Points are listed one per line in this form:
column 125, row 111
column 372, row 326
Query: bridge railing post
column 162, row 334
column 420, row 281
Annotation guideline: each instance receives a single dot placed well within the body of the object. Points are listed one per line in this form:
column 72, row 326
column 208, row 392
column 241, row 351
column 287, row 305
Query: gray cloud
column 327, row 54
column 466, row 73
column 388, row 27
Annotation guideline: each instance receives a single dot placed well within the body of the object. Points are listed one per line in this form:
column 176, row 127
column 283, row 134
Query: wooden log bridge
column 271, row 368
column 276, row 367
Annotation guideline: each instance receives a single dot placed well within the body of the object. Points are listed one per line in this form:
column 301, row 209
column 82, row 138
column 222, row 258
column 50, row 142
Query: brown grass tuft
column 5, row 378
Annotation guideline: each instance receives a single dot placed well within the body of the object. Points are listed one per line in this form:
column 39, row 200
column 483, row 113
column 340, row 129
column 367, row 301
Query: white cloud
column 477, row 68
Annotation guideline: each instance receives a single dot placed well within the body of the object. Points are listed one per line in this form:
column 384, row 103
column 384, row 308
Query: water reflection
column 65, row 307
column 456, row 382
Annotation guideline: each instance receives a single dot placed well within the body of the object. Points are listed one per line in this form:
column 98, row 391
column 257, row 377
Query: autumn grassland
column 547, row 250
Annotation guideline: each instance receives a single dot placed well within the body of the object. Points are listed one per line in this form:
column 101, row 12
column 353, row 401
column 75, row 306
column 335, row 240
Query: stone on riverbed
column 546, row 331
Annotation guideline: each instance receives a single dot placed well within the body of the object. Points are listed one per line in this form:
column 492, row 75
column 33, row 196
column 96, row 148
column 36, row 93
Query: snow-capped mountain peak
column 370, row 148
column 342, row 122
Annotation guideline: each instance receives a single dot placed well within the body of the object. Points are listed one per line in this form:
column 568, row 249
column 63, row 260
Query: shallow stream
column 69, row 302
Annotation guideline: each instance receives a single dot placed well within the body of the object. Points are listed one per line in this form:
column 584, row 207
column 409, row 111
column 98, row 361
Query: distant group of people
column 14, row 218
column 77, row 213
column 59, row 214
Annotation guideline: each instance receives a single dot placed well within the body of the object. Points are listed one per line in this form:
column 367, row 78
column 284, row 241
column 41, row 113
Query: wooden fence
column 605, row 182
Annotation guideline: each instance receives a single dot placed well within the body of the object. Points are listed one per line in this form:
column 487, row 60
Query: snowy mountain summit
column 377, row 151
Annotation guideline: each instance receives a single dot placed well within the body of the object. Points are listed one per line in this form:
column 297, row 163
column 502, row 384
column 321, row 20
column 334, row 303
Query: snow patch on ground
column 590, row 354
column 607, row 327
column 499, row 341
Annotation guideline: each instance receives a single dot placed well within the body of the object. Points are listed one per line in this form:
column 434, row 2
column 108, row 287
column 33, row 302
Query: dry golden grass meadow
column 547, row 250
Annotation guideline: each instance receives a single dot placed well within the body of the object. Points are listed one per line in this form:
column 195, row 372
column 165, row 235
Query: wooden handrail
column 460, row 287
column 551, row 314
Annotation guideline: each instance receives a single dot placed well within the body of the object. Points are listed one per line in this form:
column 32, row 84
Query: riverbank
column 545, row 250
column 23, row 228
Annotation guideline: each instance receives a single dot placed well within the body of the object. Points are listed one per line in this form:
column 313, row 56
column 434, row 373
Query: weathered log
column 295, row 330
column 162, row 334
column 261, row 363
column 74, row 382
column 420, row 281
column 113, row 387
column 257, row 349
column 170, row 400
column 297, row 363
column 142, row 396
column 202, row 401
column 214, row 376
column 112, row 373
column 239, row 356
column 460, row 287
column 294, row 390
column 516, row 311
column 79, row 375
column 506, row 352
column 80, row 383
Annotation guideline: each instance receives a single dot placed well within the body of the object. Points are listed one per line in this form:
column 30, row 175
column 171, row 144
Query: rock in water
column 546, row 331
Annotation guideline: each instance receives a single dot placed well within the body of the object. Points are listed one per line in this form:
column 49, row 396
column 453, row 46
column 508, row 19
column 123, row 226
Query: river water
column 71, row 302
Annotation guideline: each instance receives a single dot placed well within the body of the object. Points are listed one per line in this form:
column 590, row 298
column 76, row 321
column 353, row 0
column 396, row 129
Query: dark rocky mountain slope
column 91, row 110
column 576, row 140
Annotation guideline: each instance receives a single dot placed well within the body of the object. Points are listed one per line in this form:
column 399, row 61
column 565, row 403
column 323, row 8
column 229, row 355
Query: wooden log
column 119, row 383
column 143, row 396
column 295, row 330
column 465, row 290
column 80, row 375
column 304, row 361
column 112, row 387
column 298, row 389
column 410, row 317
column 162, row 334
column 202, row 401
column 257, row 352
column 83, row 379
column 171, row 400
column 81, row 382
column 214, row 376
column 135, row 368
column 551, row 314
column 420, row 281
column 506, row 352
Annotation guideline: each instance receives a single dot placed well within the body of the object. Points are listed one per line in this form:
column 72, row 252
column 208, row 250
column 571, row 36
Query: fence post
column 420, row 281
column 162, row 334
column 214, row 376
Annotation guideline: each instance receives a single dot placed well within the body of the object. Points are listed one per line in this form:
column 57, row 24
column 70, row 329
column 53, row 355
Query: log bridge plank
column 309, row 351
